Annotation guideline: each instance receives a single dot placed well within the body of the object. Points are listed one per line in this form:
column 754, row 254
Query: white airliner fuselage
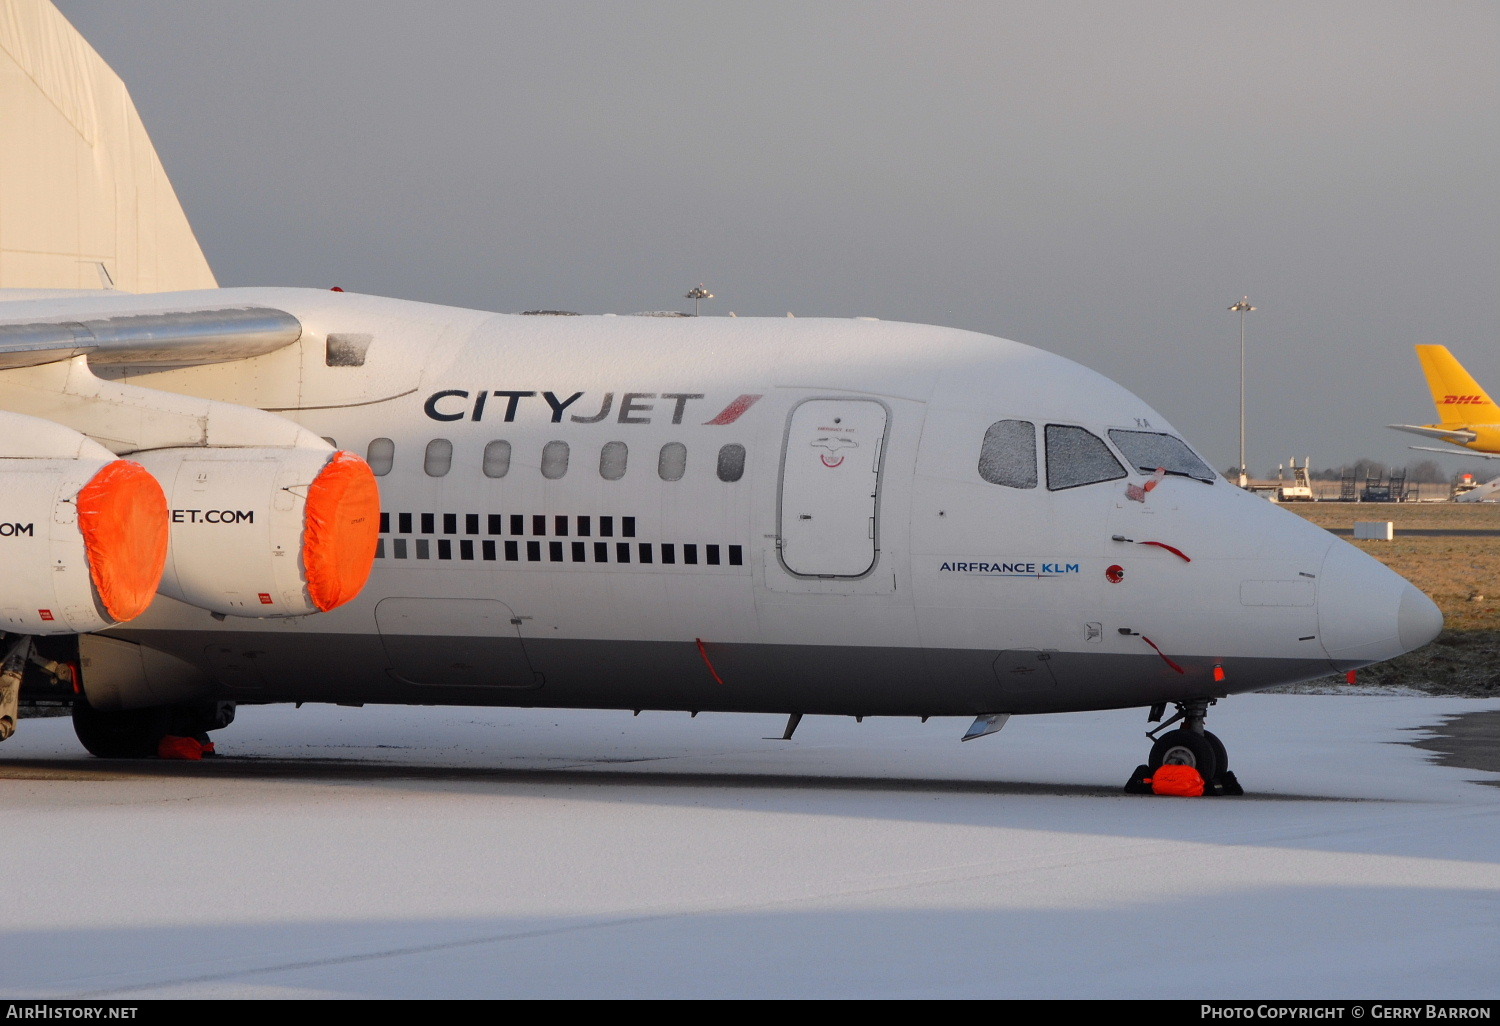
column 774, row 515
column 219, row 496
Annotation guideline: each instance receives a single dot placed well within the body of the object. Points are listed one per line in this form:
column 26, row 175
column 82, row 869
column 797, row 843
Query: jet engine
column 83, row 535
column 266, row 532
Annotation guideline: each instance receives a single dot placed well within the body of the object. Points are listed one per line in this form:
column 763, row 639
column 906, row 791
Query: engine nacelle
column 83, row 535
column 267, row 532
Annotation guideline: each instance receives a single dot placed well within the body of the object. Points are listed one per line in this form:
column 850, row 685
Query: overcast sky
column 1099, row 179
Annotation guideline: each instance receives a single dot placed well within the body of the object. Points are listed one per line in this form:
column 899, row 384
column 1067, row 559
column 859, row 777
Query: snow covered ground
column 393, row 853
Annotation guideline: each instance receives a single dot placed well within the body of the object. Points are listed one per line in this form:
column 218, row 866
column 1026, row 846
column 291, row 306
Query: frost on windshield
column 1077, row 457
column 1148, row 450
column 1008, row 455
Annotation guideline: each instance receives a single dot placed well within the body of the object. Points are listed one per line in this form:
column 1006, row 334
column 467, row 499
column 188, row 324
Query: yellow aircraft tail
column 1455, row 393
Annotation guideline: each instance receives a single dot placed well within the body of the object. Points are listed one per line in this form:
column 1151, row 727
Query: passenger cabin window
column 1148, row 450
column 672, row 463
column 439, row 457
column 497, row 458
column 1008, row 454
column 554, row 460
column 612, row 461
column 380, row 456
column 1076, row 457
column 731, row 462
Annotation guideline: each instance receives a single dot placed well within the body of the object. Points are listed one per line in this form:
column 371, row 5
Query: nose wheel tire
column 1189, row 748
column 1220, row 752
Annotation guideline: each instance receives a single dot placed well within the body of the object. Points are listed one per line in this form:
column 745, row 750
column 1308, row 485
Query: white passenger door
column 830, row 484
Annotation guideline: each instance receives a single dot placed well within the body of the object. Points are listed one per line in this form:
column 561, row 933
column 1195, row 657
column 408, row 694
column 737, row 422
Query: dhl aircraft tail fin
column 1455, row 393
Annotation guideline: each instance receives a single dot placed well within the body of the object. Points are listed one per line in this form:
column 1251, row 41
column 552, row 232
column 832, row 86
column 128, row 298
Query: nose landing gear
column 1188, row 745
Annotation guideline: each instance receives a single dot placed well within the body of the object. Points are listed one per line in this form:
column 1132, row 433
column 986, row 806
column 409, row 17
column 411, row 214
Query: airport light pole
column 1242, row 308
column 697, row 295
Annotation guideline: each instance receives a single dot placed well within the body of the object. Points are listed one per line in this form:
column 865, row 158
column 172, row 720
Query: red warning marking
column 1116, row 574
column 265, row 599
column 734, row 411
column 46, row 614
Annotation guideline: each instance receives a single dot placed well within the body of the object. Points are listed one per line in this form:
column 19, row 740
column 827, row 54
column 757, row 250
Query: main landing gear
column 1188, row 745
column 168, row 731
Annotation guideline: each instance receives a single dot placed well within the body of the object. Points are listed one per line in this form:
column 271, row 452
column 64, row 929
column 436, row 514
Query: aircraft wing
column 168, row 338
column 1456, row 435
column 1458, row 452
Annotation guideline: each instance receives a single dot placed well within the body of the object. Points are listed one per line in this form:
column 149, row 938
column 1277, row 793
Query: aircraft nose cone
column 1418, row 619
column 1367, row 612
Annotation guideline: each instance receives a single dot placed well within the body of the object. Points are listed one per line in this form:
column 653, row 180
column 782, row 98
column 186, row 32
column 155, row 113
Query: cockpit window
column 1008, row 455
column 1076, row 457
column 1148, row 450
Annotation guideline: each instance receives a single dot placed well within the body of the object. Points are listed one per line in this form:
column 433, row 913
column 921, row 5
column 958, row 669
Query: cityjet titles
column 627, row 408
column 1011, row 569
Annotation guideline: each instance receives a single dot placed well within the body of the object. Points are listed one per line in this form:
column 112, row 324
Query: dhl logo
column 1459, row 400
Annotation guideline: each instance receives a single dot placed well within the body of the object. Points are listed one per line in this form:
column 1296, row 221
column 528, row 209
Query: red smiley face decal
column 837, row 446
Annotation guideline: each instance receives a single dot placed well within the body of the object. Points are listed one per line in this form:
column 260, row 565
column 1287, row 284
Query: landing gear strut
column 1188, row 745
